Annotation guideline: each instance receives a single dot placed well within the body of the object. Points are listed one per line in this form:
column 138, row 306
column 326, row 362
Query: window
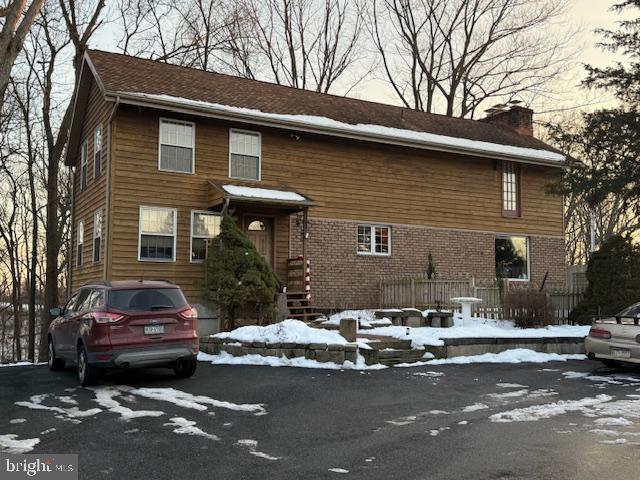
column 157, row 234
column 146, row 299
column 80, row 243
column 177, row 141
column 97, row 235
column 512, row 258
column 374, row 240
column 244, row 154
column 95, row 300
column 97, row 152
column 82, row 303
column 83, row 166
column 510, row 189
column 204, row 225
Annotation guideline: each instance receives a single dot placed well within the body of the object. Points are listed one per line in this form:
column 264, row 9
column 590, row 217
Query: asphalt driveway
column 524, row 421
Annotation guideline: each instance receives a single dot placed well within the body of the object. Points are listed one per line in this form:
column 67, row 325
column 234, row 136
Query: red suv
column 124, row 324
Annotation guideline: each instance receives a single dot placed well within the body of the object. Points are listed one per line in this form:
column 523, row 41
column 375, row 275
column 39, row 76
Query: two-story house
column 361, row 189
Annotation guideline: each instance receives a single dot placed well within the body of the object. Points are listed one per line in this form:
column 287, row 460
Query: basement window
column 157, row 238
column 177, row 145
column 204, row 226
column 512, row 258
column 244, row 154
column 374, row 240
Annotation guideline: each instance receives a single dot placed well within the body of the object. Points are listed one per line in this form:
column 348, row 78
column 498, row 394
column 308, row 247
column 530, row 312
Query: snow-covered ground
column 477, row 328
column 288, row 331
column 20, row 364
column 300, row 362
column 364, row 317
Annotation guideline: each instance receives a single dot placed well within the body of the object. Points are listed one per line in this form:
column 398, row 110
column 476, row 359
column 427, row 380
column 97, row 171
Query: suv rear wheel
column 185, row 368
column 87, row 374
column 54, row 362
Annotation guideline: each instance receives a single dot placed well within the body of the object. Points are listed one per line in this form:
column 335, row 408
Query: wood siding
column 348, row 180
column 92, row 198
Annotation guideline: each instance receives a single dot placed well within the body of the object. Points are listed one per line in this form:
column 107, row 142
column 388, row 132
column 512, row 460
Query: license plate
column 621, row 353
column 153, row 329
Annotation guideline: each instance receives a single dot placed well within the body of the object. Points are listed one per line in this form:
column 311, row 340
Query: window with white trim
column 97, row 234
column 204, row 226
column 79, row 243
column 157, row 234
column 177, row 145
column 374, row 240
column 512, row 257
column 510, row 189
column 83, row 165
column 244, row 154
column 97, row 152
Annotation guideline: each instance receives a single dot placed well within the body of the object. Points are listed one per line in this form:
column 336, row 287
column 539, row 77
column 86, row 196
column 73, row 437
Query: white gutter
column 325, row 126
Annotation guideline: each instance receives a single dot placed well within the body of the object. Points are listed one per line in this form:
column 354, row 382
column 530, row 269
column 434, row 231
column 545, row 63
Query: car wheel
column 54, row 362
column 87, row 374
column 185, row 368
column 610, row 363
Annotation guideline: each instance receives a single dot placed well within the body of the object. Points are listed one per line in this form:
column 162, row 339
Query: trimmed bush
column 238, row 281
column 529, row 308
column 613, row 273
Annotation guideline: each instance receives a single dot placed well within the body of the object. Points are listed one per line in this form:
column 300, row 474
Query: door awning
column 243, row 193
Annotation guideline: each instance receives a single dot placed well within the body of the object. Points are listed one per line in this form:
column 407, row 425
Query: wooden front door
column 260, row 232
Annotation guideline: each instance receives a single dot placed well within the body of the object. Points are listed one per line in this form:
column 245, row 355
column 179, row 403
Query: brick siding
column 342, row 279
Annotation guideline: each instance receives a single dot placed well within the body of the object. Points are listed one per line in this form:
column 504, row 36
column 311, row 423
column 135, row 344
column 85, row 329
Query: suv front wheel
column 87, row 374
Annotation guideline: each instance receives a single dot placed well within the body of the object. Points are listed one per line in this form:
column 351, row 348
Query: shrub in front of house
column 613, row 273
column 528, row 308
column 238, row 280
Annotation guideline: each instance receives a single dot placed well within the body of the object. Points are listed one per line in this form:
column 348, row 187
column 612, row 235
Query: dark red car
column 124, row 324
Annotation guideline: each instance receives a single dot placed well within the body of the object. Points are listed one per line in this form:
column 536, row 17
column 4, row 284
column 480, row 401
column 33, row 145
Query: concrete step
column 392, row 356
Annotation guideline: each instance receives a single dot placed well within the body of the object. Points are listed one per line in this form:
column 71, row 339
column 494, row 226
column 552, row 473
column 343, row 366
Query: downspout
column 70, row 257
column 107, row 188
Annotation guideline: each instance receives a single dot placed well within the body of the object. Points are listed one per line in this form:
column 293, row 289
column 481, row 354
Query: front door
column 260, row 232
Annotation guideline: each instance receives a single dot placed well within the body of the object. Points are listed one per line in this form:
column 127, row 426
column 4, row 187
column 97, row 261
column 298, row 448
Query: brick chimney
column 511, row 116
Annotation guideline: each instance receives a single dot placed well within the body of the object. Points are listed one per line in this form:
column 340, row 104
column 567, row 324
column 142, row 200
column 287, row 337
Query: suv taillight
column 599, row 332
column 189, row 314
column 106, row 317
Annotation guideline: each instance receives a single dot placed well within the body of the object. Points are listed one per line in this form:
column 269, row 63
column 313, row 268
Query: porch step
column 392, row 356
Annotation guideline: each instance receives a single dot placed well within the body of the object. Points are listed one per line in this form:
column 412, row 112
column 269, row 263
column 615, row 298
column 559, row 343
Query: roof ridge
column 303, row 91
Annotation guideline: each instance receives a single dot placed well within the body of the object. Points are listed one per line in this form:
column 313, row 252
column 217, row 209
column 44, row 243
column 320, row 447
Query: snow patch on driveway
column 74, row 413
column 10, row 444
column 300, row 362
column 549, row 410
column 516, row 355
column 252, row 446
column 188, row 427
column 105, row 398
column 195, row 402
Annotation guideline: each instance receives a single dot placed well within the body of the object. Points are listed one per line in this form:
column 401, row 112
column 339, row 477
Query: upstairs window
column 97, row 235
column 83, row 165
column 157, row 240
column 374, row 240
column 177, row 145
column 512, row 258
column 97, row 152
column 244, row 154
column 80, row 243
column 204, row 226
column 510, row 189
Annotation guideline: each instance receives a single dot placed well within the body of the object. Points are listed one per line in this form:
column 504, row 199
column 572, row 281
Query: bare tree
column 305, row 44
column 453, row 55
column 81, row 23
column 15, row 27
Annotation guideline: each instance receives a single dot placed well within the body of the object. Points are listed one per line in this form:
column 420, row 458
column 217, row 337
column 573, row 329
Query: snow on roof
column 378, row 131
column 264, row 193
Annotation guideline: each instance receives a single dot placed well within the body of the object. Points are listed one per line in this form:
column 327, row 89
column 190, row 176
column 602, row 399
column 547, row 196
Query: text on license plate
column 153, row 329
column 621, row 353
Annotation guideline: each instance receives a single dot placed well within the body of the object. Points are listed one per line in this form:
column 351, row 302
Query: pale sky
column 586, row 15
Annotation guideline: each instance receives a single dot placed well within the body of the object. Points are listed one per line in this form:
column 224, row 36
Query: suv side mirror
column 55, row 312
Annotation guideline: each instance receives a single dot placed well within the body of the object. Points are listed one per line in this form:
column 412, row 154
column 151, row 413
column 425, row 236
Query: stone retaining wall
column 320, row 352
column 457, row 347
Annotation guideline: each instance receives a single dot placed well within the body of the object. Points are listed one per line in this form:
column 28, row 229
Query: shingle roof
column 122, row 73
